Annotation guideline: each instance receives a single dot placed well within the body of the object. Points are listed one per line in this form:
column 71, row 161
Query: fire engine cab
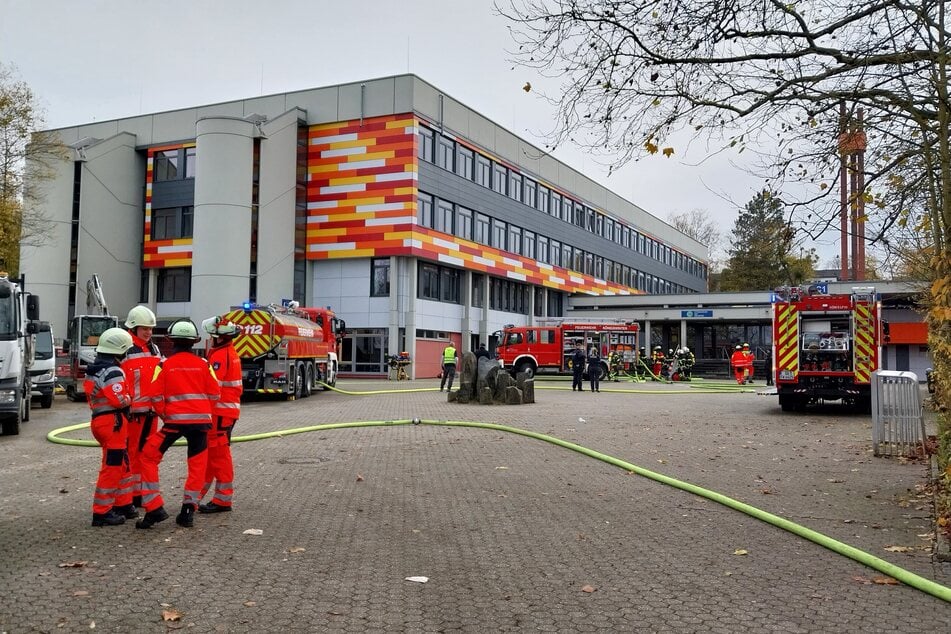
column 548, row 348
column 826, row 347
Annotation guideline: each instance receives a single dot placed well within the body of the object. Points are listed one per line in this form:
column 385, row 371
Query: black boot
column 107, row 519
column 152, row 517
column 187, row 517
column 137, row 501
column 211, row 507
column 127, row 511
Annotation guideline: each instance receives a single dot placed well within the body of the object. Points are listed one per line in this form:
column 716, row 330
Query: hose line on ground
column 905, row 576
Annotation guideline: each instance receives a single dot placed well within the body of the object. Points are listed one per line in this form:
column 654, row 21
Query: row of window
column 444, row 284
column 455, row 157
column 173, row 285
column 444, row 216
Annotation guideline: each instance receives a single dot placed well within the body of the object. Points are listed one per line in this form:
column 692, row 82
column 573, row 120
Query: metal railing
column 898, row 424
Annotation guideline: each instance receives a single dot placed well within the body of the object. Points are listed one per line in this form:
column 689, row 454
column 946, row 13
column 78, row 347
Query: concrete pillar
column 466, row 311
column 393, row 336
column 410, row 320
column 221, row 266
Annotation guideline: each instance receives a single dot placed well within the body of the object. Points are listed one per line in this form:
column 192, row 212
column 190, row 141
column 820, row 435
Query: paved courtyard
column 513, row 533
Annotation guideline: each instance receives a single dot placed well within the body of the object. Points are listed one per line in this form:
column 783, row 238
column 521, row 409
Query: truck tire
column 27, row 402
column 72, row 395
column 308, row 380
column 11, row 425
column 603, row 369
column 298, row 381
column 46, row 401
column 329, row 381
column 525, row 367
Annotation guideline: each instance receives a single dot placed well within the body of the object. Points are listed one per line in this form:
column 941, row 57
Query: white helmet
column 686, row 350
column 114, row 341
column 140, row 316
column 217, row 327
column 184, row 330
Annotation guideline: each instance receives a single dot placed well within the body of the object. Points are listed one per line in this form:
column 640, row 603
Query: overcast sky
column 93, row 60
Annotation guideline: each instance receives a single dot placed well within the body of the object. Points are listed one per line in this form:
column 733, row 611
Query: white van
column 43, row 370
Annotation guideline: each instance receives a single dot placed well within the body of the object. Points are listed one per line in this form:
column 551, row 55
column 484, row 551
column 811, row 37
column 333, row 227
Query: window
column 445, row 152
column 599, row 268
column 165, row 166
column 482, row 235
column 590, row 221
column 567, row 256
column 191, row 161
column 542, row 254
column 174, row 285
column 543, row 199
column 600, row 226
column 464, row 222
column 579, row 215
column 539, row 311
column 478, row 290
column 515, row 239
column 425, row 144
column 424, row 210
column 483, row 174
column 555, row 205
column 499, row 229
column 439, row 283
column 500, row 178
column 515, row 186
column 626, row 237
column 444, row 215
column 530, row 193
column 554, row 254
column 465, row 158
column 528, row 248
column 380, row 277
column 449, row 284
column 428, row 281
column 172, row 222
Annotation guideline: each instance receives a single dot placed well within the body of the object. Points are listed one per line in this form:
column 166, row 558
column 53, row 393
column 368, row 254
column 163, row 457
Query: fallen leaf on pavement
column 418, row 579
column 254, row 531
column 81, row 593
column 740, row 551
column 171, row 615
column 296, row 549
column 588, row 589
column 885, row 581
column 359, row 478
column 898, row 549
column 250, row 604
column 72, row 564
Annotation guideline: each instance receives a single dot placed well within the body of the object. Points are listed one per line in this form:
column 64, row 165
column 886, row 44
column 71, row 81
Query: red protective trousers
column 220, row 466
column 140, row 428
column 196, row 436
column 114, row 484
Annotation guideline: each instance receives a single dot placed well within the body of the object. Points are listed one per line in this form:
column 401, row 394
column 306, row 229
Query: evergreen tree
column 760, row 247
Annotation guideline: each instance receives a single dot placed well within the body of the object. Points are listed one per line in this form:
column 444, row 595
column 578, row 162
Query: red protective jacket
column 740, row 360
column 227, row 366
column 106, row 388
column 185, row 389
column 139, row 367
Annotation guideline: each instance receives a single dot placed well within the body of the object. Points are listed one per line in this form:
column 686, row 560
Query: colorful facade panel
column 361, row 202
column 159, row 254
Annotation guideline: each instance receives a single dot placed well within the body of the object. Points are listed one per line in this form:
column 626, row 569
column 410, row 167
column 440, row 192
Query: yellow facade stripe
column 401, row 123
column 339, row 145
column 350, row 180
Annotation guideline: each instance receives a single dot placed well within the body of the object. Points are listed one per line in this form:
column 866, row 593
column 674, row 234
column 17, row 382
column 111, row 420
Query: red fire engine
column 548, row 348
column 826, row 347
column 286, row 349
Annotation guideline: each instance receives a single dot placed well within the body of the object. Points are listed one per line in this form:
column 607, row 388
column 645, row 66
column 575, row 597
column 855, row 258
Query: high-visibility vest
column 227, row 366
column 449, row 356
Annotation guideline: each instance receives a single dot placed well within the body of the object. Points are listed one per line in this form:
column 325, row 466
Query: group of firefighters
column 742, row 363
column 130, row 386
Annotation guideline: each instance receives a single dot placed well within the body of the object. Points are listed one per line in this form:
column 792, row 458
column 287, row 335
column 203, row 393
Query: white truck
column 19, row 313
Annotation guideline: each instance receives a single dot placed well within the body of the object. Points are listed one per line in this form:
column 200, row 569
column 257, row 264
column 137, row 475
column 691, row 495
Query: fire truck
column 286, row 350
column 826, row 347
column 548, row 348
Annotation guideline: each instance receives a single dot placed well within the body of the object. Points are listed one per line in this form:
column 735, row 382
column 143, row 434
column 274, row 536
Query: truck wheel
column 786, row 403
column 27, row 402
column 603, row 369
column 308, row 380
column 329, row 380
column 46, row 401
column 298, row 381
column 526, row 367
column 11, row 425
column 71, row 393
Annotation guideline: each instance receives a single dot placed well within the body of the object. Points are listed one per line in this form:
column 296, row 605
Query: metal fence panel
column 898, row 424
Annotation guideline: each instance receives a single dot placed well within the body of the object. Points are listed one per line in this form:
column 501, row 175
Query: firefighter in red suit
column 139, row 367
column 750, row 357
column 109, row 399
column 227, row 366
column 740, row 362
column 185, row 389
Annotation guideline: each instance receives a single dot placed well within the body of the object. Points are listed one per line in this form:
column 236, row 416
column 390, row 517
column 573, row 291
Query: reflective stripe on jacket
column 185, row 389
column 139, row 367
column 106, row 391
column 227, row 366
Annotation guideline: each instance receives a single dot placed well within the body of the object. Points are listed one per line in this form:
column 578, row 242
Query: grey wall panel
column 320, row 104
column 228, row 109
column 270, row 106
column 403, row 86
column 379, row 97
column 221, row 264
column 277, row 199
column 47, row 266
column 177, row 125
column 426, row 100
column 176, row 193
column 348, row 102
column 111, row 208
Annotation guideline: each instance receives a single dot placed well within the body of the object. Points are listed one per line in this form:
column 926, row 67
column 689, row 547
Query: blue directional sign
column 696, row 313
